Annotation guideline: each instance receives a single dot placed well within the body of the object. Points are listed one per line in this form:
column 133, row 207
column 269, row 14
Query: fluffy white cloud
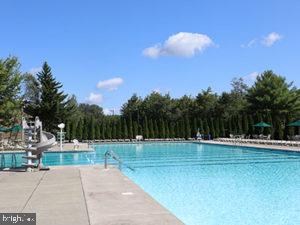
column 270, row 39
column 251, row 77
column 35, row 70
column 107, row 111
column 94, row 98
column 111, row 84
column 182, row 44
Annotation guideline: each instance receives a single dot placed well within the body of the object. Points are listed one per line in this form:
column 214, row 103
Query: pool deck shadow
column 81, row 195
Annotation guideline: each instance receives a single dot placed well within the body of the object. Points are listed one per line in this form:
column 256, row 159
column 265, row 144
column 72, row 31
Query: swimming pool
column 209, row 184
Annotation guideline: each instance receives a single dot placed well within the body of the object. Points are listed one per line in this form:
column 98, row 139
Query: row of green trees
column 270, row 99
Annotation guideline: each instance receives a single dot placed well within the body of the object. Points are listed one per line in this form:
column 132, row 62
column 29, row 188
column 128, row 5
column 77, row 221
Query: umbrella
column 262, row 124
column 294, row 124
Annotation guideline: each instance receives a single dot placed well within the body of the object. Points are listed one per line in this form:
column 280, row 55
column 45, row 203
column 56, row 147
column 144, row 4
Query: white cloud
column 94, row 99
column 182, row 44
column 251, row 77
column 270, row 39
column 111, row 84
column 250, row 43
column 35, row 70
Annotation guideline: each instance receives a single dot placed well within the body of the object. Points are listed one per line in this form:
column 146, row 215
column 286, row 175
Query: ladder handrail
column 114, row 156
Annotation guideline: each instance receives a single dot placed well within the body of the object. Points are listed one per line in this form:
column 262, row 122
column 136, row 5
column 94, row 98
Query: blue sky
column 179, row 47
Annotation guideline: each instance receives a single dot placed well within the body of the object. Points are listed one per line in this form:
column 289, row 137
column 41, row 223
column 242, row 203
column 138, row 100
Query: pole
column 60, row 134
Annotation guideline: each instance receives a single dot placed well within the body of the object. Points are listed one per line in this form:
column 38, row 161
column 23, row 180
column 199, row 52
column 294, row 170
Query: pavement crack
column 36, row 187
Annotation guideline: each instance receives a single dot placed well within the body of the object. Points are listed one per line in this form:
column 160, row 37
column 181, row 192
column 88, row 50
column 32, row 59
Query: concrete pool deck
column 260, row 146
column 81, row 195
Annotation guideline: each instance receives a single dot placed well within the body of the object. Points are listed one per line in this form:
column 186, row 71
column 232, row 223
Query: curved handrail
column 114, row 156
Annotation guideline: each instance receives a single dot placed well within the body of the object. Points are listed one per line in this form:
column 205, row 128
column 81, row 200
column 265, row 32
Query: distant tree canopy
column 270, row 99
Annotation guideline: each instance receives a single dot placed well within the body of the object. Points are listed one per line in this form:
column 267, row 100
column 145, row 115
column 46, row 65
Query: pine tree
column 130, row 127
column 167, row 130
column 201, row 129
column 206, row 127
column 182, row 128
column 195, row 127
column 212, row 128
column 79, row 130
column 68, row 131
column 92, row 129
column 135, row 129
column 162, row 129
column 85, row 134
column 245, row 124
column 53, row 108
column 172, row 130
column 97, row 131
column 114, row 130
column 151, row 129
column 222, row 128
column 125, row 129
column 103, row 126
column 187, row 128
column 156, row 133
column 217, row 127
column 118, row 128
column 108, row 130
column 145, row 128
column 251, row 124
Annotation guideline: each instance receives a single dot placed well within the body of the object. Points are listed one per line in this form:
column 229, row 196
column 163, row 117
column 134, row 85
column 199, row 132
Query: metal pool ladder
column 113, row 155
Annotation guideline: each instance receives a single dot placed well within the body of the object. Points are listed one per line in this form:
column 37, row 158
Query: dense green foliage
column 10, row 102
column 270, row 99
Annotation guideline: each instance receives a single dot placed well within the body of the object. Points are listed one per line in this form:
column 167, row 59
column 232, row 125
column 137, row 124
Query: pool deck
column 81, row 195
column 271, row 147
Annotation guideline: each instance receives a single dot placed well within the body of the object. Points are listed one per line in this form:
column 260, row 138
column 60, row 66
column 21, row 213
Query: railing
column 114, row 156
column 13, row 161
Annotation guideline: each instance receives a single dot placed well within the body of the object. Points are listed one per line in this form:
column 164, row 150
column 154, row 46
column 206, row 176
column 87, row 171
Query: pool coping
column 252, row 146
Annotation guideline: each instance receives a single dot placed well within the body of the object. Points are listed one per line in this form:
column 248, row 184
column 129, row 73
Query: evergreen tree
column 156, row 133
column 119, row 129
column 79, row 130
column 10, row 86
column 245, row 124
column 97, row 132
column 130, row 127
column 92, row 129
column 195, row 127
column 151, row 129
column 212, row 128
column 162, row 129
column 114, row 130
column 201, row 130
column 187, row 128
column 172, row 130
column 108, row 130
column 103, row 132
column 167, row 130
column 125, row 129
column 251, row 124
column 222, row 128
column 206, row 127
column 217, row 127
column 135, row 129
column 54, row 106
column 182, row 129
column 85, row 134
column 68, row 131
column 146, row 128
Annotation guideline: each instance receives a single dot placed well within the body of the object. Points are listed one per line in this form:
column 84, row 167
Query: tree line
column 271, row 99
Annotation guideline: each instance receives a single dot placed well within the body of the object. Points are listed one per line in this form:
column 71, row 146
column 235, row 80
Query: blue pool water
column 209, row 184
